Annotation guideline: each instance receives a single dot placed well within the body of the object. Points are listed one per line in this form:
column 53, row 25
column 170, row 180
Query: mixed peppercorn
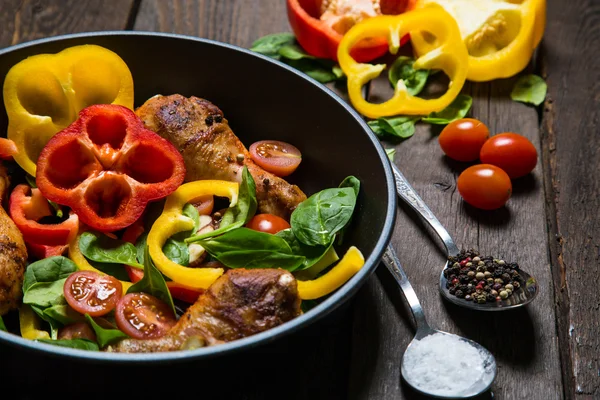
column 481, row 279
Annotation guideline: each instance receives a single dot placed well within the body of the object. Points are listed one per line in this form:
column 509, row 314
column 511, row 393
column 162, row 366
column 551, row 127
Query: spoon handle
column 408, row 194
column 390, row 259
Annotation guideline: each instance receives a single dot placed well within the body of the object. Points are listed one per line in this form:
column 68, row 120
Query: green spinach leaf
column 292, row 51
column 153, row 283
column 2, row 326
column 395, row 128
column 312, row 254
column 177, row 252
column 61, row 313
column 48, row 270
column 247, row 248
column 402, row 69
column 269, row 45
column 390, row 153
column 45, row 294
column 238, row 215
column 456, row 110
column 317, row 219
column 354, row 183
column 101, row 248
column 104, row 337
column 530, row 89
column 81, row 344
column 111, row 269
column 140, row 247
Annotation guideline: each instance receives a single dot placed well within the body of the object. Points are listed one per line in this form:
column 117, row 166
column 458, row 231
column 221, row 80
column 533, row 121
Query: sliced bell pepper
column 172, row 221
column 44, row 93
column 29, row 324
column 106, row 166
column 41, row 251
column 27, row 206
column 450, row 55
column 488, row 60
column 349, row 265
column 8, row 148
column 321, row 38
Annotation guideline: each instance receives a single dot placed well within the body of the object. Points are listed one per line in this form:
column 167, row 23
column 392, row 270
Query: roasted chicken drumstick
column 13, row 255
column 240, row 303
column 211, row 150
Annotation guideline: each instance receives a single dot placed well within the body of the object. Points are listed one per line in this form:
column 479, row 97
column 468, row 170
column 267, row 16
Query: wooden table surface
column 548, row 350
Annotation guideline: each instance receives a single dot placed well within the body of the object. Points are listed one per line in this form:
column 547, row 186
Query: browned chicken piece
column 13, row 255
column 211, row 150
column 240, row 303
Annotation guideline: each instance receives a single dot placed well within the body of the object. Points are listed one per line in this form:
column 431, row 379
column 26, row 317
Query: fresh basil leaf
column 247, row 248
column 104, row 337
column 269, row 45
column 317, row 219
column 101, row 248
column 48, row 270
column 456, row 110
column 530, row 89
column 312, row 254
column 62, row 313
column 292, row 51
column 401, row 127
column 153, row 283
column 402, row 69
column 45, row 294
column 238, row 215
column 2, row 326
column 177, row 252
column 390, row 153
column 81, row 344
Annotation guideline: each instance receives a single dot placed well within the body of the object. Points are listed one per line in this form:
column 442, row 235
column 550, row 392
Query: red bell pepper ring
column 321, row 40
column 27, row 206
column 106, row 166
column 41, row 251
column 8, row 148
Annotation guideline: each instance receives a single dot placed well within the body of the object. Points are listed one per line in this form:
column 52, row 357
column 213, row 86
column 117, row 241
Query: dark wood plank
column 571, row 143
column 523, row 341
column 28, row 20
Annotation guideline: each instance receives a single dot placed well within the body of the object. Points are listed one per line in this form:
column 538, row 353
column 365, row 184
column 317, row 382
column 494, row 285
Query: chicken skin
column 240, row 303
column 210, row 149
column 13, row 255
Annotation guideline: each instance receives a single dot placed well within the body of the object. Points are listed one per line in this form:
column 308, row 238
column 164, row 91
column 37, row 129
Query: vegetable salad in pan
column 153, row 230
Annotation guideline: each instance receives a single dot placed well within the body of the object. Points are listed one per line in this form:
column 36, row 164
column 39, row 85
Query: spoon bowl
column 520, row 297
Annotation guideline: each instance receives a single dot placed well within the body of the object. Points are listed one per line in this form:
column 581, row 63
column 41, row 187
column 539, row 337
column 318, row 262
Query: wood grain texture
column 572, row 153
column 24, row 20
column 523, row 341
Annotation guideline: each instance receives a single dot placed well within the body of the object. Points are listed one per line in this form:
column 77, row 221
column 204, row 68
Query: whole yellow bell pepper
column 172, row 221
column 29, row 324
column 44, row 93
column 508, row 60
column 349, row 265
column 449, row 55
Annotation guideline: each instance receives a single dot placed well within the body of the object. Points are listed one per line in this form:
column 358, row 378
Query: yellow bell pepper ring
column 449, row 55
column 172, row 221
column 44, row 93
column 82, row 263
column 349, row 265
column 29, row 324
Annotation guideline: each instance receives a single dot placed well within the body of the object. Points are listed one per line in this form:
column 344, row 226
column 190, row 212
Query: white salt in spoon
column 437, row 363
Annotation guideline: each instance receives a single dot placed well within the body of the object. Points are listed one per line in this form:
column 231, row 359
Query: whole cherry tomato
column 268, row 223
column 484, row 186
column 462, row 139
column 278, row 158
column 515, row 154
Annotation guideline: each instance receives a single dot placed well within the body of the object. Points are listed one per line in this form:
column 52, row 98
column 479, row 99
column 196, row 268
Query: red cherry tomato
column 143, row 316
column 92, row 293
column 461, row 140
column 278, row 158
column 515, row 154
column 78, row 330
column 484, row 186
column 268, row 223
column 204, row 204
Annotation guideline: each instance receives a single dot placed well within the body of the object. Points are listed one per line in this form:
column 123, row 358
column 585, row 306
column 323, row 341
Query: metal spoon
column 486, row 377
column 518, row 298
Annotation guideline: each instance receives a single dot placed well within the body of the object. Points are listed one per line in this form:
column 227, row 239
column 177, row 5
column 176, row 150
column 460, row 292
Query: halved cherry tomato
column 77, row 330
column 484, row 186
column 462, row 139
column 143, row 316
column 92, row 293
column 515, row 154
column 268, row 223
column 278, row 158
column 204, row 204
